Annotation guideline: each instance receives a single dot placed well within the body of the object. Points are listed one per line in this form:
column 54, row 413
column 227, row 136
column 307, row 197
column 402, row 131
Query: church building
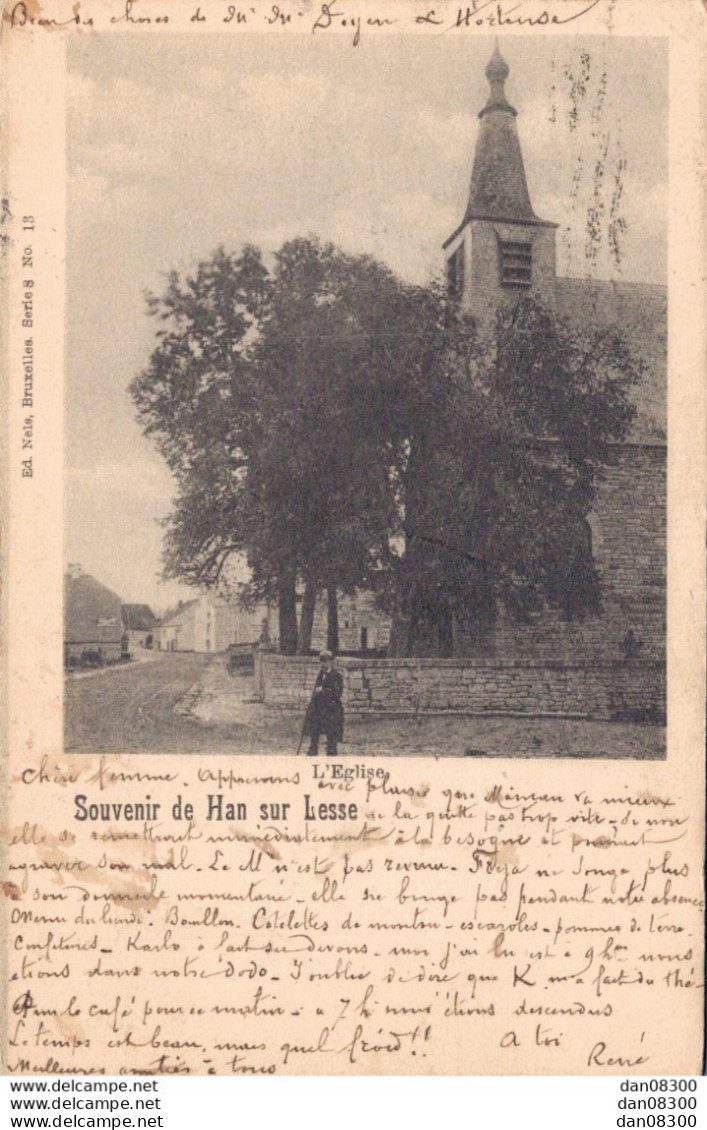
column 501, row 250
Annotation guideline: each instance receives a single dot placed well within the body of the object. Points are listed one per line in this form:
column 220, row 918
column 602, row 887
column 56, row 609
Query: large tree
column 339, row 429
column 280, row 400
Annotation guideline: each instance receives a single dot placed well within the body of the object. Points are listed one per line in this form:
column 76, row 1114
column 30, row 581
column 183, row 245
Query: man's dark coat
column 325, row 706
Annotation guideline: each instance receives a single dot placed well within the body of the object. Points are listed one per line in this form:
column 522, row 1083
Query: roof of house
column 138, row 617
column 639, row 312
column 178, row 615
column 92, row 613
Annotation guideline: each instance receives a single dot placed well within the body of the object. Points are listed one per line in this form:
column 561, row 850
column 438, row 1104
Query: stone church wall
column 629, row 546
column 623, row 690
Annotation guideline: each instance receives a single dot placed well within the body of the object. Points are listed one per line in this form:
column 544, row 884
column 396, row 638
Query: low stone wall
column 630, row 690
column 111, row 650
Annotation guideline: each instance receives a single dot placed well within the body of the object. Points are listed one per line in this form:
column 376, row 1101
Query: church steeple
column 499, row 190
column 501, row 249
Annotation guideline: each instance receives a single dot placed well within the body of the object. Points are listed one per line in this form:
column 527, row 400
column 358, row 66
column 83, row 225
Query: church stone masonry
column 502, row 251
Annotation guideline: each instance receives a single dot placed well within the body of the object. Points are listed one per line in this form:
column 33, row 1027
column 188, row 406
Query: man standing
column 326, row 713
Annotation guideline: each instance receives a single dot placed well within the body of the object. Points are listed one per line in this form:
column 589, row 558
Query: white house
column 211, row 624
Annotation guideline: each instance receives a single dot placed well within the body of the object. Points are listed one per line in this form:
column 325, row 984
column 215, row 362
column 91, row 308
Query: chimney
column 74, row 571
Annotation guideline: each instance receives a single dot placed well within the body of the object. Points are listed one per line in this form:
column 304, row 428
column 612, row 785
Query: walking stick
column 304, row 723
column 304, row 727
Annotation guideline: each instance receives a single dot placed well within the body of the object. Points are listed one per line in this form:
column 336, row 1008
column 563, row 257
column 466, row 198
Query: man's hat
column 325, row 655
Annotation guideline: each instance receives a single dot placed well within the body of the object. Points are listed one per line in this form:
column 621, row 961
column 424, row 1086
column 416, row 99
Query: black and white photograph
column 365, row 396
column 354, row 575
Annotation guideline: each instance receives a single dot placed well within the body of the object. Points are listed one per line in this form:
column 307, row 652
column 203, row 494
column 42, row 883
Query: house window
column 516, row 263
column 455, row 273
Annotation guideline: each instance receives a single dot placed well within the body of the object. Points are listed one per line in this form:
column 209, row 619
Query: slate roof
column 92, row 613
column 499, row 190
column 640, row 312
column 178, row 615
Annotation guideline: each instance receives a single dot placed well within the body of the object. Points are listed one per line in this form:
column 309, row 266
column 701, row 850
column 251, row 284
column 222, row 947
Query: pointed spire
column 498, row 185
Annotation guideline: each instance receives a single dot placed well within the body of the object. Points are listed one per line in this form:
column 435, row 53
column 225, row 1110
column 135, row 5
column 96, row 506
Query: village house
column 139, row 622
column 363, row 628
column 210, row 623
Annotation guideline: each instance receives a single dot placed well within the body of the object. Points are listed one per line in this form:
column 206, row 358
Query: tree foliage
column 280, row 400
column 509, row 474
column 339, row 429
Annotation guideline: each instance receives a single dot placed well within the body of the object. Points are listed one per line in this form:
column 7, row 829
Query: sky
column 177, row 144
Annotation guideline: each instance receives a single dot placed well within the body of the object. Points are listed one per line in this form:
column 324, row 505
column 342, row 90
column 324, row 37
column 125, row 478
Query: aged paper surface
column 184, row 894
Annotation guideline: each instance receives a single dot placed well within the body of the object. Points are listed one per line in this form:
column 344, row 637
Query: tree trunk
column 287, row 615
column 445, row 632
column 306, row 618
column 418, row 631
column 332, row 623
column 400, row 624
column 398, row 643
column 430, row 632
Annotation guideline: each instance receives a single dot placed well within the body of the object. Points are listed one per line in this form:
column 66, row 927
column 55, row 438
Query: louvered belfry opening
column 516, row 263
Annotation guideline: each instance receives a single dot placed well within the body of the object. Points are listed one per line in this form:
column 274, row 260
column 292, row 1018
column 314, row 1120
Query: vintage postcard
column 353, row 538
